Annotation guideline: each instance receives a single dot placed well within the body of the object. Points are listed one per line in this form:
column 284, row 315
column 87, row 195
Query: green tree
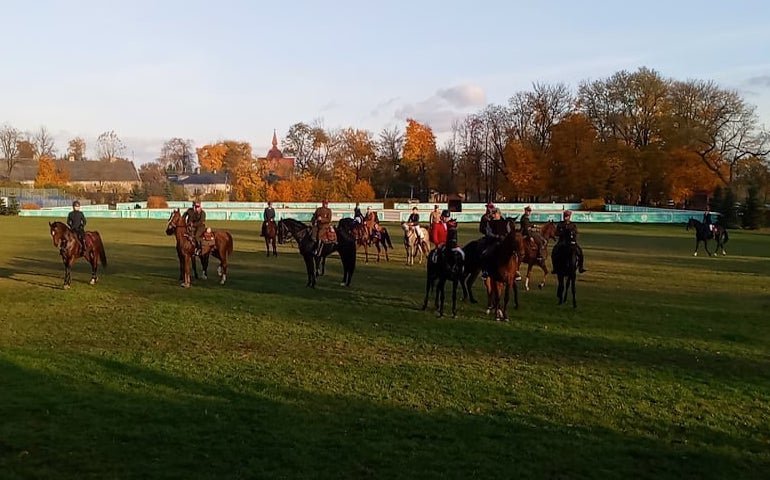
column 753, row 210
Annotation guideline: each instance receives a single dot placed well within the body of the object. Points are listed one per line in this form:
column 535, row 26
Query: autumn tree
column 154, row 179
column 576, row 167
column 26, row 149
column 357, row 150
column 48, row 175
column 76, row 149
column 177, row 155
column 9, row 146
column 248, row 182
column 312, row 147
column 109, row 146
column 211, row 157
column 387, row 169
column 419, row 153
column 298, row 189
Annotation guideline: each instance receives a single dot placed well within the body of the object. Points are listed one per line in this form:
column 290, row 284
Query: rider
column 77, row 223
column 321, row 221
column 707, row 220
column 413, row 222
column 496, row 229
column 267, row 216
column 441, row 228
column 562, row 228
column 435, row 220
column 486, row 218
column 526, row 230
column 196, row 217
column 357, row 215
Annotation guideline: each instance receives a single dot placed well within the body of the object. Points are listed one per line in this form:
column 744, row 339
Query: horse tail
column 726, row 236
column 386, row 237
column 100, row 246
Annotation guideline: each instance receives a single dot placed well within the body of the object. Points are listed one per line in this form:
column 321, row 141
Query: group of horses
column 460, row 266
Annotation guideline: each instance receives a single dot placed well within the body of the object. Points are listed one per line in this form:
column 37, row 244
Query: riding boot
column 319, row 249
column 580, row 260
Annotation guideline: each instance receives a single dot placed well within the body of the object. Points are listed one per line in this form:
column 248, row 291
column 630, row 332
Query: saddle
column 327, row 235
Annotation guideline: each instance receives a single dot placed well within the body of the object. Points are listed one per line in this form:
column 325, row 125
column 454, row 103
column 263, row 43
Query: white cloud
column 441, row 109
column 463, row 96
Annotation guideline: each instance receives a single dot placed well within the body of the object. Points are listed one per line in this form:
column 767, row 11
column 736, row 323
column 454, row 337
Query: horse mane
column 294, row 221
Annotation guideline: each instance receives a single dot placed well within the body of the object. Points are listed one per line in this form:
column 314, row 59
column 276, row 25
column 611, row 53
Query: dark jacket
column 497, row 229
column 562, row 228
column 707, row 218
column 526, row 225
column 413, row 219
column 77, row 221
column 357, row 213
column 269, row 214
column 485, row 219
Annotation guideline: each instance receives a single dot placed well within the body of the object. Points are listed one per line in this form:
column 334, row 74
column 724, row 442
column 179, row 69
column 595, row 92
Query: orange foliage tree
column 248, row 183
column 420, row 152
column 48, row 175
column 211, row 157
column 298, row 189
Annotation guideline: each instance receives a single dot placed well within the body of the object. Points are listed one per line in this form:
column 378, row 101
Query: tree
column 419, row 153
column 109, row 146
column 248, row 182
column 211, row 157
column 177, row 155
column 357, row 149
column 576, row 169
column 48, row 175
column 387, row 169
column 311, row 146
column 9, row 146
column 44, row 144
column 154, row 179
column 753, row 210
column 27, row 150
column 362, row 191
column 76, row 149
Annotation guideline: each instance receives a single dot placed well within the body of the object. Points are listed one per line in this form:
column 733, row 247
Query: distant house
column 199, row 184
column 115, row 175
column 278, row 167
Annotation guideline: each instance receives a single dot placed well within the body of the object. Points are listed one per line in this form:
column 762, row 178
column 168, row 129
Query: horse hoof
column 489, row 310
column 205, row 277
column 439, row 314
column 65, row 287
column 474, row 300
column 185, row 285
column 695, row 254
column 540, row 286
column 92, row 282
column 342, row 284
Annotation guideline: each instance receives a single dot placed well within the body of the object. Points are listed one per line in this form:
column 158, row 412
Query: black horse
column 316, row 264
column 564, row 258
column 703, row 234
column 444, row 264
column 473, row 261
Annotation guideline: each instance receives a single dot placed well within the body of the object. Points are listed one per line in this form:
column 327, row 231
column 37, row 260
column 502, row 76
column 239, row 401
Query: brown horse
column 372, row 233
column 270, row 232
column 218, row 243
column 70, row 250
column 503, row 262
column 547, row 231
column 185, row 245
column 532, row 258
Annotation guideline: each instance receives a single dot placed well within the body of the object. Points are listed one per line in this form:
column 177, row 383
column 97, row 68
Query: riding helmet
column 76, row 203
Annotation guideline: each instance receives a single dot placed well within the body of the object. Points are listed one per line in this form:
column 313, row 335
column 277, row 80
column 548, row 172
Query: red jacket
column 438, row 233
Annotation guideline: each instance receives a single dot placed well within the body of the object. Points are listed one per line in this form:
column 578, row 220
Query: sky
column 209, row 71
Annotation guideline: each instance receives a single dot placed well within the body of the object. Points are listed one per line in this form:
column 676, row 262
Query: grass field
column 663, row 371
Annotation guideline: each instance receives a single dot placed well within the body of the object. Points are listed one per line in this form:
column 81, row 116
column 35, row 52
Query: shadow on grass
column 89, row 416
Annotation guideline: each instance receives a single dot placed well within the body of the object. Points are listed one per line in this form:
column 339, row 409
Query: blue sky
column 209, row 70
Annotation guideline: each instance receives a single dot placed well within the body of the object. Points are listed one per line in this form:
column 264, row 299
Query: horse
column 565, row 264
column 70, row 250
column 185, row 245
column 271, row 232
column 444, row 264
column 531, row 258
column 547, row 231
column 704, row 234
column 473, row 261
column 315, row 265
column 218, row 243
column 503, row 261
column 414, row 245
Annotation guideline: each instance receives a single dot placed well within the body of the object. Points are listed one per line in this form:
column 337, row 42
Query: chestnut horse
column 271, row 233
column 185, row 245
column 70, row 250
column 218, row 243
column 531, row 258
column 503, row 262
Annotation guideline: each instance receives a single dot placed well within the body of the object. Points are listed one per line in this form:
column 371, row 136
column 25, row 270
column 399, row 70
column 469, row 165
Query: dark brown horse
column 70, row 250
column 376, row 235
column 503, row 262
column 185, row 245
column 547, row 231
column 218, row 243
column 270, row 234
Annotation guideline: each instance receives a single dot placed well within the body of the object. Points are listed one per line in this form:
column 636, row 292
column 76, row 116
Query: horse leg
column 515, row 293
column 560, row 288
column 706, row 246
column 526, row 280
column 205, row 266
column 440, row 296
column 470, row 279
column 572, row 281
column 454, row 297
column 428, row 288
column 310, row 267
column 267, row 245
column 222, row 270
column 187, row 280
column 275, row 251
column 67, row 273
column 94, row 265
column 697, row 246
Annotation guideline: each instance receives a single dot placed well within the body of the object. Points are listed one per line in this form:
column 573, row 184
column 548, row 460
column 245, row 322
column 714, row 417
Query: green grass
column 663, row 371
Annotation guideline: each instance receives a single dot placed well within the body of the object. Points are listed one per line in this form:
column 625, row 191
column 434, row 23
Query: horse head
column 59, row 232
column 174, row 221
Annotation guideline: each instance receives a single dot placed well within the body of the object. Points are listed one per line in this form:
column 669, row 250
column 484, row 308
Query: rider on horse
column 562, row 234
column 529, row 236
column 413, row 222
column 268, row 216
column 321, row 222
column 196, row 218
column 77, row 223
column 357, row 215
column 496, row 229
column 485, row 219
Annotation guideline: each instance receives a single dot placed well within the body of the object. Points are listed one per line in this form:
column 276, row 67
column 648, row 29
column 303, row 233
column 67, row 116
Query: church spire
column 275, row 140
